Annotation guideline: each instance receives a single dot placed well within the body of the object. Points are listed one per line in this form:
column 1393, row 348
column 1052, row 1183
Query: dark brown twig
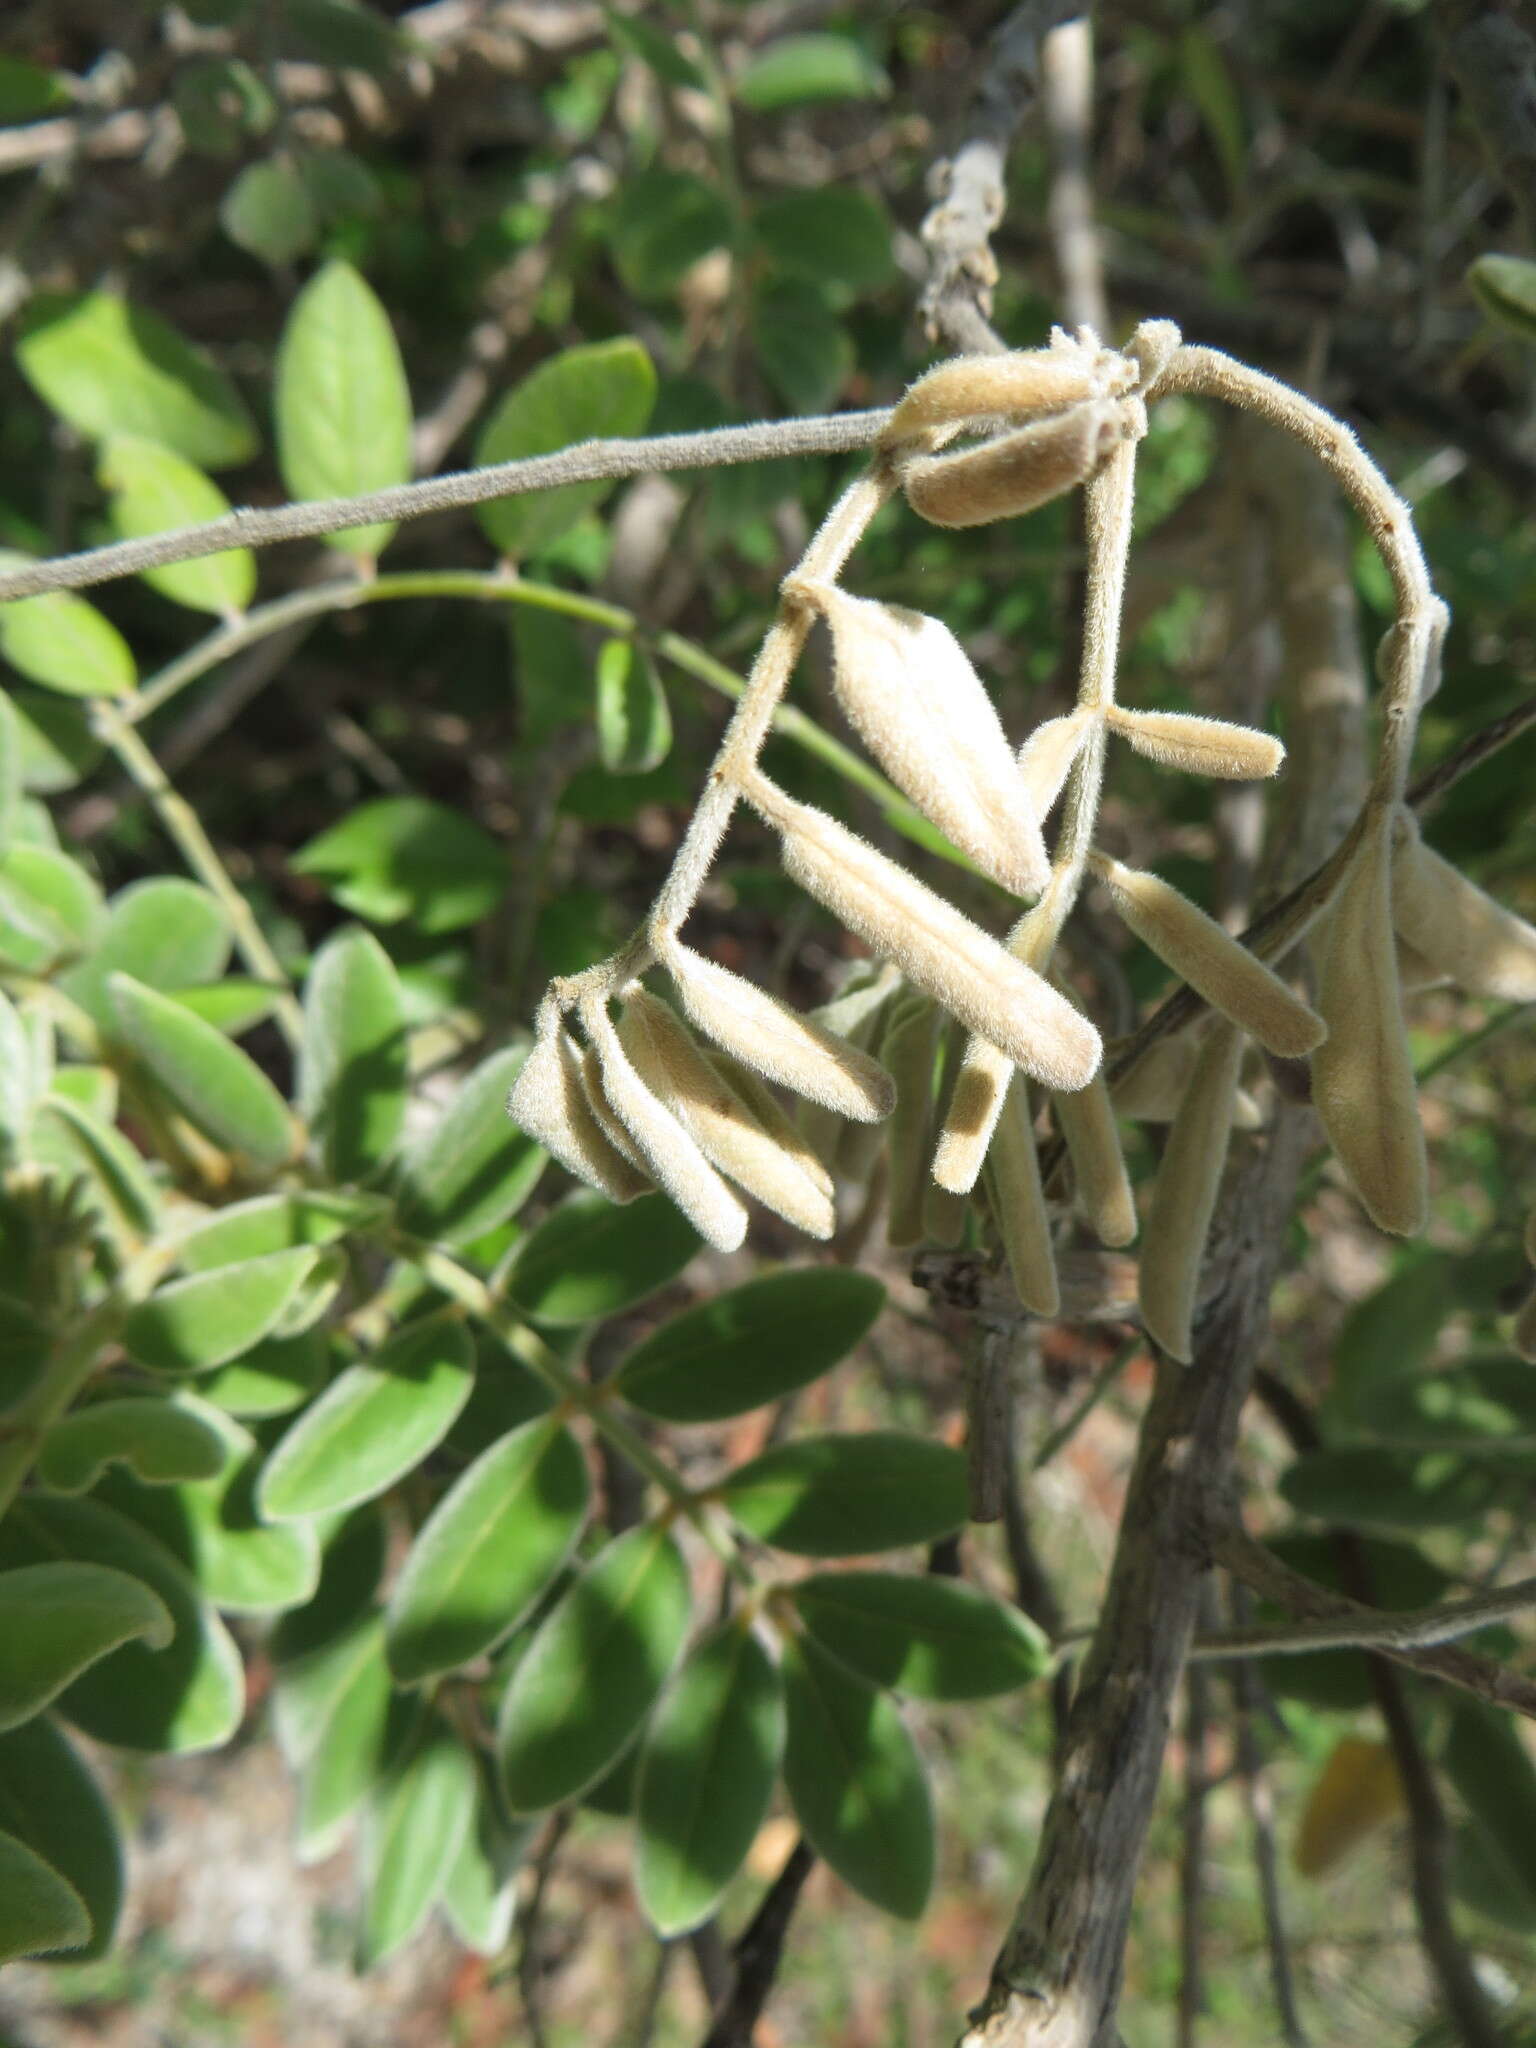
column 758, row 1953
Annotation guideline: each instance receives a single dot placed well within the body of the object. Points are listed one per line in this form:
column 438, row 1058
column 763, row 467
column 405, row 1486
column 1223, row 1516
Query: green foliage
column 151, row 488
column 405, row 857
column 838, row 1496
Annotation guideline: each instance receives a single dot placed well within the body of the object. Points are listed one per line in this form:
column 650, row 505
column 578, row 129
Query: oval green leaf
column 56, row 1620
column 269, row 212
column 808, row 70
column 934, row 1638
column 39, row 1913
column 375, row 1422
column 588, row 1259
column 407, row 857
column 353, row 1064
column 600, row 391
column 153, row 489
column 707, row 1769
column 223, row 1092
column 111, row 368
column 341, row 401
column 840, row 1496
column 50, row 1801
column 350, row 1571
column 663, row 222
column 473, row 1168
column 414, row 1826
column 834, row 235
column 1491, row 1769
column 593, row 1670
column 160, row 1442
column 488, row 1550
column 273, row 1223
column 855, row 1780
column 188, row 1696
column 273, row 1378
column 166, row 933
column 207, row 1319
column 634, row 726
column 750, row 1345
column 65, row 644
column 1361, row 1486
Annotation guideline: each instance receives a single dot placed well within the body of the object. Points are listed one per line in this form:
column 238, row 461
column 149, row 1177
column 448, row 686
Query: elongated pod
column 1455, row 926
column 1018, row 1204
column 550, row 1104
column 1184, row 1195
column 1017, row 472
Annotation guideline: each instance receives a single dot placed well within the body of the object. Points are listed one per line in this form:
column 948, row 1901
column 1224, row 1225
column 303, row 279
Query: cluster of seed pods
column 629, row 1088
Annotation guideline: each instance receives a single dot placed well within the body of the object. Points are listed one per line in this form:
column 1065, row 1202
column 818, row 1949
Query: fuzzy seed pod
column 1153, row 1089
column 1184, row 1196
column 715, row 1117
column 549, row 1103
column 1104, row 1195
column 1362, row 1073
column 1414, row 972
column 774, row 1040
column 910, row 693
column 598, row 1103
column 1524, row 1332
column 1017, row 472
column 1455, row 926
column 938, row 950
column 671, row 1156
column 1210, row 960
column 1200, row 746
column 771, row 1114
column 1046, row 757
column 1018, row 1205
column 975, row 1104
column 1023, row 383
column 909, row 1048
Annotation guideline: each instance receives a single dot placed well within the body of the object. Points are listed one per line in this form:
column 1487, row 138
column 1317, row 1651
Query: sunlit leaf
column 56, row 1620
column 588, row 1259
column 353, row 1066
column 152, row 489
column 841, row 1496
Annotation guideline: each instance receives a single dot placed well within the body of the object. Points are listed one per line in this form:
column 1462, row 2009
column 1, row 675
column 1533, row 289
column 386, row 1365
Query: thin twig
column 1261, row 1820
column 759, row 1952
column 1416, row 1628
column 1197, row 1787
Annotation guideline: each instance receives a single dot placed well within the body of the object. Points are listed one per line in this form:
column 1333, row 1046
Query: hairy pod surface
column 1104, row 1196
column 548, row 1101
column 1046, row 757
column 1455, row 926
column 1018, row 1204
column 909, row 1049
column 1200, row 746
column 1017, row 472
column 1022, row 383
column 1184, row 1195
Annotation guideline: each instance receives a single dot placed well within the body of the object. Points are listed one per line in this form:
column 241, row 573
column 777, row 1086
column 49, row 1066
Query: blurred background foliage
column 717, row 205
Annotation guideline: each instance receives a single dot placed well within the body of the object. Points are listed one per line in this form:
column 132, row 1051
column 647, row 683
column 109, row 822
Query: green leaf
column 340, row 400
column 663, row 222
column 273, row 1378
column 1483, row 1878
column 331, row 1713
column 51, row 1802
column 58, row 743
column 166, row 933
column 63, row 643
column 1209, row 81
column 16, row 1079
column 11, row 766
column 39, row 1912
column 152, row 489
column 115, row 1183
column 407, row 857
column 272, row 1223
column 1338, row 1680
column 751, row 1345
column 1505, row 288
column 220, row 1090
column 1484, row 1407
column 808, row 70
column 856, row 1781
column 350, row 1571
column 188, row 1696
column 26, row 1346
column 806, row 353
column 931, row 1637
column 1390, row 1334
column 207, row 1319
column 634, row 726
column 479, row 1895
column 28, row 92
column 637, row 37
column 834, row 235
column 110, row 368
column 373, row 1424
column 61, row 888
column 340, row 32
column 594, row 1668
column 706, row 1774
column 56, row 1620
column 600, row 391
column 232, row 1006
column 840, row 1496
column 1492, row 1771
column 353, row 1065
column 1364, row 1487
column 220, row 101
column 473, row 1168
column 160, row 1443
column 212, row 1526
column 488, row 1550
column 588, row 1259
column 268, row 211
column 413, row 1829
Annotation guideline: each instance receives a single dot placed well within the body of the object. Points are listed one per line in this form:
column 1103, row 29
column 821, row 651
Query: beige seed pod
column 1150, row 1093
column 982, row 1078
column 939, row 951
column 1046, row 757
column 716, row 1118
column 1200, row 746
column 1018, row 1204
column 1414, row 972
column 1461, row 931
column 1210, row 960
column 774, row 1040
column 1016, row 472
column 910, row 693
column 671, row 1156
column 774, row 1119
column 548, row 1102
column 1022, row 382
column 1087, row 1121
column 1362, row 1073
column 1524, row 1332
column 1184, row 1195
column 909, row 1049
column 602, row 1110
